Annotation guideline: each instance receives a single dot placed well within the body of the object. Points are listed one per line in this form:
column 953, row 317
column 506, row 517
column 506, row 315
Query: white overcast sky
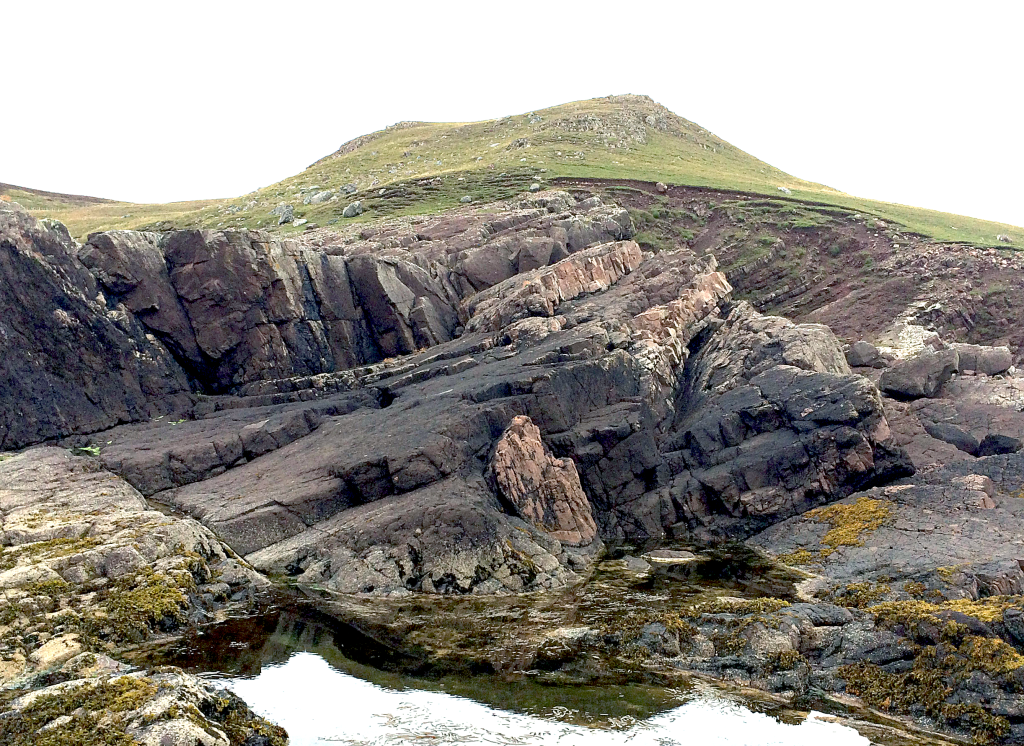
column 913, row 102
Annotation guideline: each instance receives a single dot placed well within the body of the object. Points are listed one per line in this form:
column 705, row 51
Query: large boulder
column 862, row 354
column 922, row 375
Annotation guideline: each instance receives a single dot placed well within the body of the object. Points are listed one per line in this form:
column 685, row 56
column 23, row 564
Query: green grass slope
column 419, row 167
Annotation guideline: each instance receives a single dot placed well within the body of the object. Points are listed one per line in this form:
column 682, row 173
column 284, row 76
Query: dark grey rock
column 994, row 444
column 953, row 435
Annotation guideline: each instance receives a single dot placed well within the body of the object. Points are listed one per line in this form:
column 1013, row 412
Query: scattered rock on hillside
column 352, row 209
column 535, row 187
column 319, row 197
column 285, row 213
column 661, row 187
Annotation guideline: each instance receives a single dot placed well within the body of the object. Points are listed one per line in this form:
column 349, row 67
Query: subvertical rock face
column 70, row 361
column 545, row 491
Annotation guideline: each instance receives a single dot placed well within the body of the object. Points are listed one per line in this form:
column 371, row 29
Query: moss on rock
column 849, row 522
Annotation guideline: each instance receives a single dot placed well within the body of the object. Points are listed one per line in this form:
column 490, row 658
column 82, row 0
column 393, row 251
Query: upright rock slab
column 544, row 490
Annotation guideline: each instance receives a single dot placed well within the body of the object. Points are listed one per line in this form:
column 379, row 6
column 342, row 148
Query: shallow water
column 327, row 683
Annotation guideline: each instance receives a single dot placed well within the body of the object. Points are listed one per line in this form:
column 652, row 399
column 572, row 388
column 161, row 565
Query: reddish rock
column 544, row 490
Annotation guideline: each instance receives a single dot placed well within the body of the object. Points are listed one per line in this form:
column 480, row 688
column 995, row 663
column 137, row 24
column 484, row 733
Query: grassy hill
column 419, row 167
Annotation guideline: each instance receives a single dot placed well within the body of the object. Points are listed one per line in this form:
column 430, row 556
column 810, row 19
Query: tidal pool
column 318, row 704
column 327, row 683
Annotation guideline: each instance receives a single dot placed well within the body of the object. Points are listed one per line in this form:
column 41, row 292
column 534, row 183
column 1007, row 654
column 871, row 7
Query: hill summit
column 421, row 167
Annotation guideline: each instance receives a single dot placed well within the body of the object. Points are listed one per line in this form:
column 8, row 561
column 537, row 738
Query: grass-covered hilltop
column 421, row 167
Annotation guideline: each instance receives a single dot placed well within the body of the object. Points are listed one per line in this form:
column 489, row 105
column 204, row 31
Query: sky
column 911, row 102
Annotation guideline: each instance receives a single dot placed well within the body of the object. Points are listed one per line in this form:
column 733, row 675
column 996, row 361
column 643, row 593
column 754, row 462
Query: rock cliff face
column 466, row 403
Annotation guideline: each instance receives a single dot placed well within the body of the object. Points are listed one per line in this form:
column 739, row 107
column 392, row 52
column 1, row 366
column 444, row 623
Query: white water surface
column 319, row 705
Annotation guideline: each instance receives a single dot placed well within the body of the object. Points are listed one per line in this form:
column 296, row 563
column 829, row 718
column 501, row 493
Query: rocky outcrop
column 772, row 423
column 234, row 307
column 545, row 491
column 549, row 386
column 96, row 695
column 84, row 555
column 71, row 362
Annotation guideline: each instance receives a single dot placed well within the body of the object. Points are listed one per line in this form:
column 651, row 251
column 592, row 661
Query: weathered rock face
column 545, row 491
column 69, row 527
column 540, row 292
column 70, row 363
column 95, row 694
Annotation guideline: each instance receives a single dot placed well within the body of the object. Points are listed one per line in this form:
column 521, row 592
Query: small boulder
column 535, row 187
column 321, row 197
column 300, row 221
column 920, row 376
column 661, row 187
column 669, row 556
column 635, row 565
column 660, row 640
column 56, row 650
column 785, row 190
column 862, row 354
column 995, row 445
column 355, row 208
column 466, row 200
column 953, row 435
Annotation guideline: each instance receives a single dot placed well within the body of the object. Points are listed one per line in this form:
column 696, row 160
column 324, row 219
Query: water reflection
column 318, row 705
